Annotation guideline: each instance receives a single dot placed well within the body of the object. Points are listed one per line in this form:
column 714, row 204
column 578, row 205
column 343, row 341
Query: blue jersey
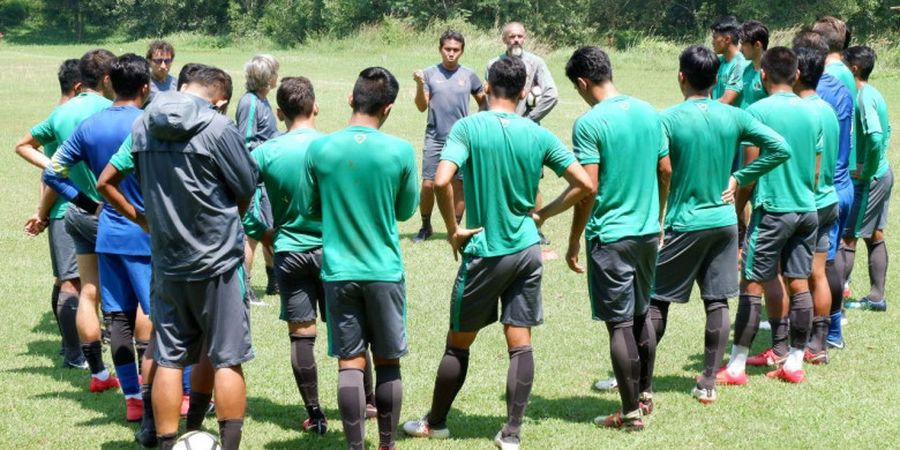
column 839, row 97
column 94, row 142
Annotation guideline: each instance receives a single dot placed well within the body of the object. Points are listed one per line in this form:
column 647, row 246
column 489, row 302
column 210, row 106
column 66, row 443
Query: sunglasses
column 166, row 61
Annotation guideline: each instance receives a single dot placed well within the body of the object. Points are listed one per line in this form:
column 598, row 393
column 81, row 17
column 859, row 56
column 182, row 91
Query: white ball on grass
column 197, row 440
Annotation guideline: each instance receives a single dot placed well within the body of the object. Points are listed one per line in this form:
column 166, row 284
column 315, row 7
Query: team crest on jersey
column 462, row 82
column 702, row 106
column 359, row 138
column 504, row 122
column 757, row 86
column 625, row 105
column 794, row 101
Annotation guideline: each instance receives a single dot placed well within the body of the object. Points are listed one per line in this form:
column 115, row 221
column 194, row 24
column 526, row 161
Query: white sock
column 738, row 363
column 794, row 361
column 134, row 396
column 102, row 376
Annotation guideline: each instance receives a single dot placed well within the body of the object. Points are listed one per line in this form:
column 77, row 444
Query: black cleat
column 423, row 234
column 146, row 435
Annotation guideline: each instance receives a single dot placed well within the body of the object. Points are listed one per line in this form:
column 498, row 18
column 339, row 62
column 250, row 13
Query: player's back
column 66, row 118
column 872, row 115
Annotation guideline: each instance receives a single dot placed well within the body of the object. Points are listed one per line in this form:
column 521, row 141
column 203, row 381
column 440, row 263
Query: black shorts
column 363, row 314
column 620, row 275
column 514, row 280
column 707, row 256
column 870, row 207
column 787, row 239
column 62, row 251
column 297, row 274
column 82, row 226
column 828, row 217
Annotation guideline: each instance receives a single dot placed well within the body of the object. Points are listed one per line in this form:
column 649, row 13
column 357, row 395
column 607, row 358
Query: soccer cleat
column 766, row 358
column 705, row 396
column 185, row 404
column 609, row 384
column 764, row 325
column 423, row 234
column 134, row 409
column 847, row 292
column 835, row 343
column 815, row 358
column 99, row 386
column 871, row 305
column 80, row 363
column 371, row 411
column 420, row 428
column 646, row 403
column 506, row 443
column 253, row 299
column 795, row 376
column 628, row 422
column 724, row 377
column 318, row 425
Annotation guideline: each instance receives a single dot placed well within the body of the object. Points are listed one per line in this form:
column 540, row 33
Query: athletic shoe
column 271, row 286
column 796, row 376
column 253, row 299
column 835, row 343
column 609, row 384
column 765, row 325
column 185, row 404
column 646, row 403
column 506, row 443
column 705, row 396
column 318, row 426
column 80, row 363
column 628, row 422
column 766, row 358
column 815, row 358
column 871, row 305
column 146, row 435
column 544, row 240
column 847, row 292
column 371, row 411
column 420, row 428
column 725, row 377
column 854, row 304
column 99, row 386
column 423, row 234
column 134, row 409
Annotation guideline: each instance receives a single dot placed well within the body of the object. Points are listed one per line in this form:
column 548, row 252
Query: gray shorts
column 363, row 314
column 82, row 227
column 707, row 256
column 514, row 279
column 62, row 251
column 620, row 276
column 188, row 314
column 870, row 207
column 297, row 274
column 265, row 208
column 828, row 216
column 788, row 239
column 431, row 157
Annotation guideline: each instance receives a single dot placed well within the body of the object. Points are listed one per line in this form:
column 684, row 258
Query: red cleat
column 795, row 376
column 628, row 422
column 185, row 404
column 725, row 377
column 134, row 409
column 815, row 358
column 766, row 358
column 99, row 386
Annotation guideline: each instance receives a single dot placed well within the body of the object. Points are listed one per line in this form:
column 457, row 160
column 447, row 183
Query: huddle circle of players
column 148, row 183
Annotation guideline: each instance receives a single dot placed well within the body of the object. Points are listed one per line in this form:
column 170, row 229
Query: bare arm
column 481, row 99
column 729, row 97
column 443, row 190
column 663, row 177
column 580, row 219
column 579, row 187
column 27, row 148
column 108, row 186
column 422, row 97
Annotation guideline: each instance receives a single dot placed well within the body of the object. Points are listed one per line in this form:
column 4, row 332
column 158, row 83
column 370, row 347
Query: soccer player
column 754, row 42
column 502, row 154
column 123, row 249
column 869, row 214
column 541, row 93
column 161, row 54
column 81, row 225
column 726, row 42
column 443, row 89
column 620, row 134
column 363, row 181
column 700, row 234
column 197, row 179
column 782, row 232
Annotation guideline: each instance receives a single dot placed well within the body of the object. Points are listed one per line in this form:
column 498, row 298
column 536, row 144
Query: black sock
column 519, row 378
column 121, row 337
column 198, row 405
column 352, row 405
column 780, row 332
column 451, row 375
column 303, row 363
column 626, row 362
column 714, row 340
column 878, row 265
column 93, row 352
column 388, row 400
column 54, row 302
column 141, row 348
column 368, row 380
column 659, row 314
column 645, row 338
column 820, row 327
column 835, row 285
column 801, row 319
column 746, row 323
column 848, row 256
column 67, row 310
column 230, row 431
column 426, row 221
column 167, row 441
column 147, row 421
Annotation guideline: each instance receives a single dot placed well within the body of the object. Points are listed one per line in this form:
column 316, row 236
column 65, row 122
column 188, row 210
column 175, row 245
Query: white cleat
column 509, row 443
column 420, row 428
column 606, row 385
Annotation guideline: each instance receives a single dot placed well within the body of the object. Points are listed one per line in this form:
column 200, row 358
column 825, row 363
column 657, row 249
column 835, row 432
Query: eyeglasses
column 158, row 61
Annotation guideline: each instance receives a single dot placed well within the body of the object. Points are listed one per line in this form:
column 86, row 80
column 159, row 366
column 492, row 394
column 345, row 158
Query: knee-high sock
column 626, row 362
column 714, row 340
column 659, row 316
column 746, row 323
column 198, row 405
column 388, row 400
column 140, row 347
column 820, row 326
column 836, row 286
column 352, row 405
column 451, row 375
column 231, row 430
column 368, row 383
column 519, row 378
column 878, row 265
column 303, row 363
column 93, row 352
column 54, row 302
column 121, row 345
column 645, row 338
column 848, row 258
column 66, row 310
column 801, row 319
column 780, row 334
column 147, row 422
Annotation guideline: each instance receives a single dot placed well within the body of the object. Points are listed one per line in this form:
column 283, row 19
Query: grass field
column 849, row 402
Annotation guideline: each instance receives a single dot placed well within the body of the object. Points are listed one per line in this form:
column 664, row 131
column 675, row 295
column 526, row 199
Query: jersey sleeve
column 56, row 175
column 557, row 157
column 773, row 149
column 586, row 143
column 43, row 133
column 872, row 134
column 237, row 168
column 735, row 81
column 408, row 194
column 663, row 143
column 456, row 149
column 122, row 159
column 476, row 84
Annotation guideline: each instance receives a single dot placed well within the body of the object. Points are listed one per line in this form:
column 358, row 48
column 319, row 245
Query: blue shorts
column 124, row 282
column 845, row 203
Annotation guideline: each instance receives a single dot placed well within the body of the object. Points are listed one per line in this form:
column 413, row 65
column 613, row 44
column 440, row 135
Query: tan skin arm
column 108, row 186
column 580, row 219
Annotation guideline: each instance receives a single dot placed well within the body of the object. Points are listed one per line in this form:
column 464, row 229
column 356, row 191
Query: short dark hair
column 727, row 25
column 129, row 74
column 699, row 64
column 296, row 97
column 811, row 63
column 507, row 78
column 811, row 40
column 590, row 63
column 862, row 57
column 753, row 31
column 94, row 65
column 213, row 79
column 375, row 88
column 834, row 31
column 187, row 73
column 68, row 75
column 160, row 46
column 780, row 65
column 452, row 35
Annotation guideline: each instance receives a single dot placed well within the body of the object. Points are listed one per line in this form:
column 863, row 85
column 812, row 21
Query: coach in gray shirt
column 542, row 95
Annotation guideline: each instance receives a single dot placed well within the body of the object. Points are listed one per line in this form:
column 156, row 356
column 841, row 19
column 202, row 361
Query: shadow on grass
column 290, row 417
column 439, row 237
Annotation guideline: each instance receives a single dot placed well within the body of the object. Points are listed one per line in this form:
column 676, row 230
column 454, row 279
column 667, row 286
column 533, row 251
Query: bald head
column 514, row 38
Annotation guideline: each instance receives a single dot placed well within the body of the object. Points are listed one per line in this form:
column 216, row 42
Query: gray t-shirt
column 169, row 84
column 448, row 100
column 255, row 120
column 537, row 74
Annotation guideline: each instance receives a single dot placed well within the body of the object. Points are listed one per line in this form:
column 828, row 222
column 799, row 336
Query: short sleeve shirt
column 752, row 86
column 872, row 117
column 448, row 98
column 729, row 76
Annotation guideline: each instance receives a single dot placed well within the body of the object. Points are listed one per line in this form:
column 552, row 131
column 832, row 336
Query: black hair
column 727, row 25
column 94, row 65
column 68, row 75
column 590, row 63
column 296, row 97
column 375, row 88
column 811, row 63
column 834, row 31
column 129, row 74
column 160, row 46
column 187, row 73
column 862, row 57
column 753, row 31
column 213, row 78
column 507, row 78
column 811, row 40
column 699, row 65
column 780, row 65
column 452, row 35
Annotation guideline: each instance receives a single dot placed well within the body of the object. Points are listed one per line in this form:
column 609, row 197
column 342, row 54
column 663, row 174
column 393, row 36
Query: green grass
column 852, row 401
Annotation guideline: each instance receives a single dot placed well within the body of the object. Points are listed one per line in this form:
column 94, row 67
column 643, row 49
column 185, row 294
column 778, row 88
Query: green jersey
column 501, row 155
column 753, row 88
column 702, row 135
column 278, row 160
column 831, row 133
column 791, row 186
column 60, row 205
column 729, row 76
column 623, row 135
column 361, row 181
column 873, row 132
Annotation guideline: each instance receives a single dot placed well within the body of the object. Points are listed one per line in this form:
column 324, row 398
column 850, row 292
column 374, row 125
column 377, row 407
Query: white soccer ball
column 532, row 97
column 197, row 440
